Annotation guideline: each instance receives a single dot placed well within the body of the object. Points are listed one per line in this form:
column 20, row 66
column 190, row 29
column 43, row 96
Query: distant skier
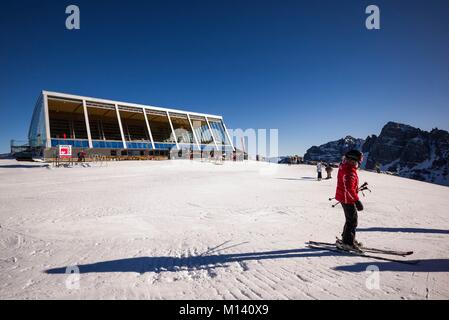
column 329, row 170
column 377, row 167
column 347, row 194
column 319, row 167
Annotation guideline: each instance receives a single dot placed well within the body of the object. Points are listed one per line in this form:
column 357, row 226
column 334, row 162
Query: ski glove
column 359, row 205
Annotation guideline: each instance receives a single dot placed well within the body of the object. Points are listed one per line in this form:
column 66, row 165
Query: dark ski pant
column 348, row 234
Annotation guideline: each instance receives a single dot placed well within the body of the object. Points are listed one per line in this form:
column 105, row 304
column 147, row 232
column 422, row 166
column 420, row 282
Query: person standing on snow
column 318, row 169
column 329, row 170
column 377, row 167
column 347, row 195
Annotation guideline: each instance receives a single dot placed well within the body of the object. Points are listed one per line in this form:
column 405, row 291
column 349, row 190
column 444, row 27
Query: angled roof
column 127, row 104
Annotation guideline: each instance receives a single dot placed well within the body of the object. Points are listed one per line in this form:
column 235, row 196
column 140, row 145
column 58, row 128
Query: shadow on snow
column 406, row 230
column 299, row 179
column 207, row 262
column 174, row 264
column 24, row 166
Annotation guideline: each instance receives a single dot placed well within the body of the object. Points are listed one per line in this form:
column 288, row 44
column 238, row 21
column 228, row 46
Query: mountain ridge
column 399, row 148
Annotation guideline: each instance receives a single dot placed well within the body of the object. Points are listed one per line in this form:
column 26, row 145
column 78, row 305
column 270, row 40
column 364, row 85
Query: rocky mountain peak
column 334, row 150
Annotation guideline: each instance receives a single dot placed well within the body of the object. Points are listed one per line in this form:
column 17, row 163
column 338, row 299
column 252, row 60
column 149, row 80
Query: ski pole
column 336, row 204
column 362, row 188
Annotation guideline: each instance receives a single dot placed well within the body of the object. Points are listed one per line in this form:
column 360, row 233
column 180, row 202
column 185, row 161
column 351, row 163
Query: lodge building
column 114, row 128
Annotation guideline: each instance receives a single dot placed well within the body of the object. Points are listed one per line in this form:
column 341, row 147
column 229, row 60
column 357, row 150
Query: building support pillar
column 172, row 130
column 121, row 127
column 86, row 119
column 148, row 127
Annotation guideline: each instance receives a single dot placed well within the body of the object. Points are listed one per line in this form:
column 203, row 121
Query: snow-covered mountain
column 402, row 149
column 334, row 150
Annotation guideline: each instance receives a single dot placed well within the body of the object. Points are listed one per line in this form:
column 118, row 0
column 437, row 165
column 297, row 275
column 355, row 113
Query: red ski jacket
column 347, row 184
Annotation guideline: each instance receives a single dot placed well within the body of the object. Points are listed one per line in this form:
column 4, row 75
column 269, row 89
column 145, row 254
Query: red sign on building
column 65, row 151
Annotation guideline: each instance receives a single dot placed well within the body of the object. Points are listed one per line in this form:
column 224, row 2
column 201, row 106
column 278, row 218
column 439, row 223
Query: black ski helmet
column 354, row 155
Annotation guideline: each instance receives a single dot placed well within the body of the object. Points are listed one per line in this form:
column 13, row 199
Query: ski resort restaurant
column 113, row 129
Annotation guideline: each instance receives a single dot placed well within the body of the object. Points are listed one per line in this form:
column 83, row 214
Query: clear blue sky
column 309, row 68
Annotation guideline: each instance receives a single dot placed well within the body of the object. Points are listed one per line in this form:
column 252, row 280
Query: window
column 201, row 130
column 182, row 128
column 134, row 126
column 219, row 132
column 160, row 127
column 67, row 119
column 103, row 123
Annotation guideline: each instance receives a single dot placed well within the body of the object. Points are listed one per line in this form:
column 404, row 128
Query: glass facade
column 182, row 128
column 164, row 146
column 160, row 127
column 104, row 124
column 107, row 144
column 134, row 127
column 37, row 135
column 74, row 143
column 202, row 131
column 66, row 119
column 219, row 132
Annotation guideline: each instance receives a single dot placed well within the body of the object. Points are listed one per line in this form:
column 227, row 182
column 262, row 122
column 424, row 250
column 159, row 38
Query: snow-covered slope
column 190, row 230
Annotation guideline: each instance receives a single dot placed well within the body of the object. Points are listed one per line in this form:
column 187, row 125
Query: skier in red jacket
column 347, row 194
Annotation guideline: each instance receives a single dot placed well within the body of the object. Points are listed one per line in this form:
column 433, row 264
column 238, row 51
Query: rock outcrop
column 334, row 150
column 410, row 152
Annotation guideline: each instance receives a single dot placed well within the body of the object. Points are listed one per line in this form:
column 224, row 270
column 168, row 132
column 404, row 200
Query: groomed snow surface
column 193, row 230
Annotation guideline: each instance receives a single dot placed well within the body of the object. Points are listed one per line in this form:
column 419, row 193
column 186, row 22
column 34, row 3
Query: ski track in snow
column 191, row 230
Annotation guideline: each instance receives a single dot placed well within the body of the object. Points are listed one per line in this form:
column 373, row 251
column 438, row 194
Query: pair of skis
column 364, row 252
